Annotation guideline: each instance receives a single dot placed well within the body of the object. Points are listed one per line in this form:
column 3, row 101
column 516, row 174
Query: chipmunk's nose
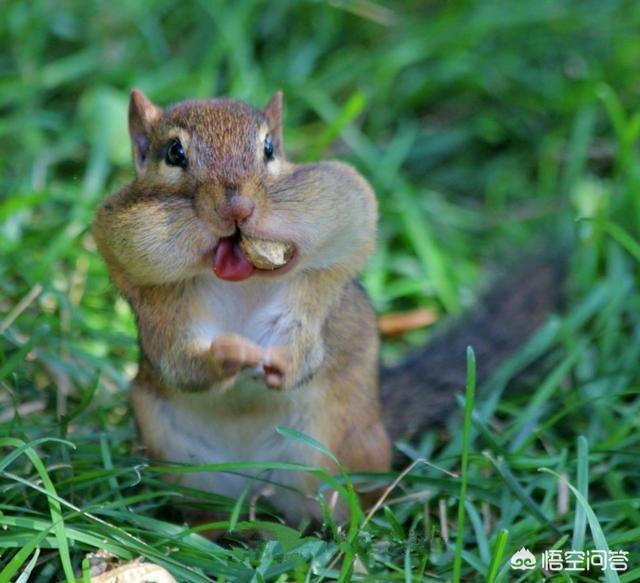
column 237, row 207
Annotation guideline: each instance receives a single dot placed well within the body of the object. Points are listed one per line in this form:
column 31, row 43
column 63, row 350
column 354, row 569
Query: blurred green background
column 474, row 121
column 481, row 125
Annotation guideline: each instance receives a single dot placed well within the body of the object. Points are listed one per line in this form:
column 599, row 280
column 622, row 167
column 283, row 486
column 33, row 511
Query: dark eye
column 175, row 154
column 268, row 149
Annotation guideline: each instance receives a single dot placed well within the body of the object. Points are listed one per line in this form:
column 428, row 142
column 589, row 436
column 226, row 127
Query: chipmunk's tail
column 421, row 391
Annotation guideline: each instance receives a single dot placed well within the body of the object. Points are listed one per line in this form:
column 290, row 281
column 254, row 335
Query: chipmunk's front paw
column 232, row 353
column 275, row 363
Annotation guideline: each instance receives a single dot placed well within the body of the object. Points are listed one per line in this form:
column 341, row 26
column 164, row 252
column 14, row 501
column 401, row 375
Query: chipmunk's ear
column 143, row 115
column 273, row 113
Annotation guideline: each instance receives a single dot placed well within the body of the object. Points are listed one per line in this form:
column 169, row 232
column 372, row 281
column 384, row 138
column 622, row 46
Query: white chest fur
column 209, row 428
column 258, row 309
column 239, row 423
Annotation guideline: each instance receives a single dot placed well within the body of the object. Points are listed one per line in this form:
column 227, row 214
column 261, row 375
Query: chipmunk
column 229, row 351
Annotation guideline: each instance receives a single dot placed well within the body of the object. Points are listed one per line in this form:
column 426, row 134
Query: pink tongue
column 230, row 262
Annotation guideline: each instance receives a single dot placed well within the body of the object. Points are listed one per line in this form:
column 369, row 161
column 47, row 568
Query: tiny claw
column 275, row 365
column 273, row 379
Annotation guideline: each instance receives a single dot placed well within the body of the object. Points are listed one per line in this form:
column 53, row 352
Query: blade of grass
column 54, row 504
column 498, row 552
column 237, row 507
column 624, row 239
column 580, row 522
column 478, row 529
column 468, row 409
column 515, row 487
column 599, row 538
column 21, row 556
column 24, row 576
column 577, row 152
column 105, row 453
column 346, row 114
column 521, row 429
column 618, row 234
column 349, row 493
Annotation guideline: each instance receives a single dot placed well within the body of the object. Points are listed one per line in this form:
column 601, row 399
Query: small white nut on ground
column 135, row 572
column 266, row 254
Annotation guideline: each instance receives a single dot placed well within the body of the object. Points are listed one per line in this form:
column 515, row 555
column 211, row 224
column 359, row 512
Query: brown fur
column 158, row 235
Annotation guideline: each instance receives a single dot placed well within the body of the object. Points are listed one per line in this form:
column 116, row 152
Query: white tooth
column 266, row 254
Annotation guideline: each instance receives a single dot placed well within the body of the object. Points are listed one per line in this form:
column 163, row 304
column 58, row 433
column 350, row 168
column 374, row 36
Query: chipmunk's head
column 222, row 146
column 210, row 176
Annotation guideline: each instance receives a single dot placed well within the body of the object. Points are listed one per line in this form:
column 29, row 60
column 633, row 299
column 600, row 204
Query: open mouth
column 238, row 257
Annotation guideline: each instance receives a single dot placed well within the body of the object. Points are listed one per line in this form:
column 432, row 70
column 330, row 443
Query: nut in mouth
column 239, row 256
column 265, row 253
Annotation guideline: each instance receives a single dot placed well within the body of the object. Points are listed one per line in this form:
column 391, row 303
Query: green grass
column 480, row 125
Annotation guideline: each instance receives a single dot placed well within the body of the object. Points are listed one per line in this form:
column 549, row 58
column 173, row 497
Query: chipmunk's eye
column 268, row 149
column 175, row 155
